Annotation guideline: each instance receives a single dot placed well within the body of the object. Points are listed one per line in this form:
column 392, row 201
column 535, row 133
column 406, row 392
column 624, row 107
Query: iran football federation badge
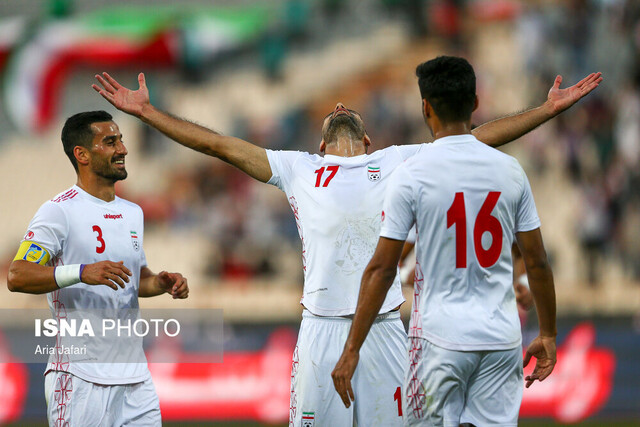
column 374, row 173
column 308, row 419
column 134, row 241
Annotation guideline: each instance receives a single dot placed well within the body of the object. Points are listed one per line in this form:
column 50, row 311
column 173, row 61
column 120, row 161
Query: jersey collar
column 455, row 139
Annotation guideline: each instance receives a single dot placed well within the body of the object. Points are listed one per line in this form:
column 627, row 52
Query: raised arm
column 509, row 128
column 247, row 157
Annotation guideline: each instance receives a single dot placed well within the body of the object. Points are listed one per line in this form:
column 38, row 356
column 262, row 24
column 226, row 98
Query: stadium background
column 268, row 72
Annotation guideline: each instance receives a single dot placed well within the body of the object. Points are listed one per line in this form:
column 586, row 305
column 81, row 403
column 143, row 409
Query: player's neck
column 98, row 187
column 345, row 147
column 441, row 130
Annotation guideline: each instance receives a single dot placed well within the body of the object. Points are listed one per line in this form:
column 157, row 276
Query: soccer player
column 83, row 248
column 336, row 200
column 467, row 201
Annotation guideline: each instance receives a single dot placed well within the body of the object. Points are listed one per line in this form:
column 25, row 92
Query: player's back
column 469, row 201
column 337, row 203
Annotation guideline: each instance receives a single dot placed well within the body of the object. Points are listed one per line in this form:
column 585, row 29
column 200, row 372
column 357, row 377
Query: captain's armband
column 32, row 252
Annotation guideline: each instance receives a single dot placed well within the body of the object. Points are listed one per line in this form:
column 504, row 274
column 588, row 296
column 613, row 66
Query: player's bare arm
column 164, row 282
column 506, row 129
column 543, row 348
column 376, row 281
column 247, row 157
column 32, row 278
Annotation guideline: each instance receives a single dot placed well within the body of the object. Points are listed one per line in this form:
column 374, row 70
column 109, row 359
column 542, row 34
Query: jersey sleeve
column 398, row 214
column 281, row 163
column 49, row 228
column 526, row 215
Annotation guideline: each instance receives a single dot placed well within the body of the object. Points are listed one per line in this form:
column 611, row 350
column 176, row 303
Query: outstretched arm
column 247, row 157
column 506, row 129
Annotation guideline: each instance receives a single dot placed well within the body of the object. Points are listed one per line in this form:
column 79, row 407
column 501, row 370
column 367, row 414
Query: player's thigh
column 73, row 402
column 140, row 406
column 494, row 393
column 435, row 384
column 377, row 382
column 314, row 401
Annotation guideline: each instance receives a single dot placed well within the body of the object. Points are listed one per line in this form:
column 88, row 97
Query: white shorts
column 446, row 387
column 377, row 381
column 74, row 402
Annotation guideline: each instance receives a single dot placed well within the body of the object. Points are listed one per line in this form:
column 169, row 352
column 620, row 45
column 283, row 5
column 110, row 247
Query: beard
column 107, row 170
column 343, row 125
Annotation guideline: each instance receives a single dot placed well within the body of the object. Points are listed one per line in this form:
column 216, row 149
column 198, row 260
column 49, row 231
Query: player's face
column 108, row 151
column 340, row 118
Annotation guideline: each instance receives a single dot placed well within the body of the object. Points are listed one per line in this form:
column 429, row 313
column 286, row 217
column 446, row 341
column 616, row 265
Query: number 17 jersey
column 337, row 202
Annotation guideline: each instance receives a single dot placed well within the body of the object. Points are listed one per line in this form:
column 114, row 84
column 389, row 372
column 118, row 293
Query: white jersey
column 77, row 228
column 467, row 200
column 336, row 202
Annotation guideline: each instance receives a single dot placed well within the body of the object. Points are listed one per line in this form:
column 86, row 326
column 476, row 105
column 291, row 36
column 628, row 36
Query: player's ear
column 426, row 109
column 475, row 105
column 323, row 145
column 366, row 140
column 81, row 154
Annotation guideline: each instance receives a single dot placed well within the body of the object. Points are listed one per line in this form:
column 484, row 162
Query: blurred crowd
column 251, row 229
column 600, row 141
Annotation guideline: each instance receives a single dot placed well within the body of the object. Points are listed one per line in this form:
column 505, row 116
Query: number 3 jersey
column 77, row 228
column 337, row 202
column 467, row 200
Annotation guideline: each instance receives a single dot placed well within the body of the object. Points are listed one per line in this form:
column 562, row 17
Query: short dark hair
column 449, row 84
column 77, row 131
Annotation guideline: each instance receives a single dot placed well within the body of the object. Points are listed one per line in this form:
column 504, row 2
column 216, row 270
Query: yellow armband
column 32, row 252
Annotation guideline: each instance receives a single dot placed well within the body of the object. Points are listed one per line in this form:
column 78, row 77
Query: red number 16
column 456, row 215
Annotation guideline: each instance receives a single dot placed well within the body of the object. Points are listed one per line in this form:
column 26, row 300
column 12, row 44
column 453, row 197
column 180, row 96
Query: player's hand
column 524, row 297
column 108, row 273
column 174, row 284
column 559, row 100
column 127, row 100
column 544, row 350
column 342, row 374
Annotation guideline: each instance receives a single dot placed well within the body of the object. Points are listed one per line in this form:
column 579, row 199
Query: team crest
column 308, row 419
column 134, row 241
column 374, row 173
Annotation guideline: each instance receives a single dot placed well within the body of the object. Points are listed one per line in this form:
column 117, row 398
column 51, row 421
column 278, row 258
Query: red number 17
column 333, row 169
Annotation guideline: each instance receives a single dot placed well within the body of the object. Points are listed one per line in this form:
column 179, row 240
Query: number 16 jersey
column 467, row 200
column 337, row 202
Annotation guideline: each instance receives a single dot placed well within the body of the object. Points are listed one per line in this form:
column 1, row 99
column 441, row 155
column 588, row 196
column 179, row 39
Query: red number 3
column 99, row 249
column 456, row 215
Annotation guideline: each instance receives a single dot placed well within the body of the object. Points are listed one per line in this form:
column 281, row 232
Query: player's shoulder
column 128, row 204
column 65, row 196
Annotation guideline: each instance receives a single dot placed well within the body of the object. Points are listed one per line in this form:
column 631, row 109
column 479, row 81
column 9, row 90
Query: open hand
column 124, row 99
column 544, row 350
column 342, row 374
column 561, row 99
column 108, row 273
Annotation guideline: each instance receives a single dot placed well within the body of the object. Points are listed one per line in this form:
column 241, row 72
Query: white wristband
column 67, row 275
